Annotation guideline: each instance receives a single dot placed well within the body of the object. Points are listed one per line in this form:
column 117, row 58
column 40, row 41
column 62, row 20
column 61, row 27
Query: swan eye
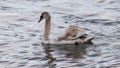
column 41, row 17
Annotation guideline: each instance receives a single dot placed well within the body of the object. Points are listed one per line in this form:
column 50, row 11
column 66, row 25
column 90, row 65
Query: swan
column 73, row 34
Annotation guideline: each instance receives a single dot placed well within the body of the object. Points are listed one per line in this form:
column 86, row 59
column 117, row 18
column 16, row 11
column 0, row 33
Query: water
column 20, row 34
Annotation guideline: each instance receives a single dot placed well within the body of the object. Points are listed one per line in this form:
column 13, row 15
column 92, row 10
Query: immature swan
column 74, row 34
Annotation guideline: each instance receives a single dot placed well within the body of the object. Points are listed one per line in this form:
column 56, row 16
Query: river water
column 20, row 34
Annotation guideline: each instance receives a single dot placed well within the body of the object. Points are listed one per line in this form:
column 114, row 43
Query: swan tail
column 89, row 39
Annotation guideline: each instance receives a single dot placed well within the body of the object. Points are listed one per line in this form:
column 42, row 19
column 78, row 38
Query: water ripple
column 20, row 34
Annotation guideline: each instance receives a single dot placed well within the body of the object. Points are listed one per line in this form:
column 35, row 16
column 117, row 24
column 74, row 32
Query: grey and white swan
column 73, row 34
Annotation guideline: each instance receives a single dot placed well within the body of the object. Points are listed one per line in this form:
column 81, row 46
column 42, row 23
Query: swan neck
column 47, row 28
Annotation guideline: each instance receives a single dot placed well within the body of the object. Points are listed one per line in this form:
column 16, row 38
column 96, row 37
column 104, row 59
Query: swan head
column 44, row 15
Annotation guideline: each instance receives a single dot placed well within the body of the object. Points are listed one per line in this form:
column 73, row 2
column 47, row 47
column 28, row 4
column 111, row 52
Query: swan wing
column 80, row 33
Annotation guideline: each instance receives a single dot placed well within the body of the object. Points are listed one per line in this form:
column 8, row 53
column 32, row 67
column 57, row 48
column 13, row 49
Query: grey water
column 20, row 34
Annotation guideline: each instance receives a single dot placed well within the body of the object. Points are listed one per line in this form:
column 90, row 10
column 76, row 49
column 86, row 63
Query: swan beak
column 39, row 21
column 41, row 18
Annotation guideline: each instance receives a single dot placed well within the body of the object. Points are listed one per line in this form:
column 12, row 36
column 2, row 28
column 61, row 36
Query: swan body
column 73, row 34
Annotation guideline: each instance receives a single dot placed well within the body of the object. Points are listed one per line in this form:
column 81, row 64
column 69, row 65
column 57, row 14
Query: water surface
column 20, row 34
